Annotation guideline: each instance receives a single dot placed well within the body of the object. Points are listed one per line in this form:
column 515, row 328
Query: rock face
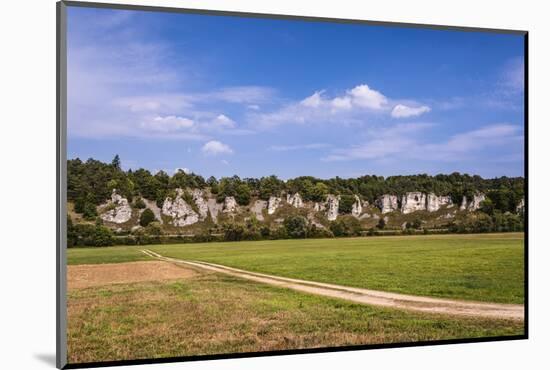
column 475, row 204
column 357, row 208
column 153, row 207
column 412, row 202
column 182, row 213
column 387, row 203
column 257, row 209
column 333, row 202
column 434, row 202
column 121, row 213
column 295, row 200
column 273, row 204
column 318, row 207
column 214, row 208
column 200, row 203
column 520, row 208
column 229, row 205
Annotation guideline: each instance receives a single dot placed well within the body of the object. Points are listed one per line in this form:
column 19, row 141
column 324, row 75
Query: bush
column 346, row 226
column 139, row 203
column 89, row 235
column 381, row 224
column 233, row 231
column 346, row 204
column 296, row 227
column 319, row 232
column 147, row 216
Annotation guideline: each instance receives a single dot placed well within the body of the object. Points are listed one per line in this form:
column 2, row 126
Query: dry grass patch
column 213, row 314
column 86, row 276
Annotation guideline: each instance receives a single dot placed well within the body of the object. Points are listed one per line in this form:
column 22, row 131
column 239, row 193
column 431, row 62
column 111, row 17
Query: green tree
column 116, row 162
column 346, row 204
column 147, row 216
column 296, row 227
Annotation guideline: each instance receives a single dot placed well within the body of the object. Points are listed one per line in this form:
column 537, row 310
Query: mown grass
column 487, row 267
column 214, row 314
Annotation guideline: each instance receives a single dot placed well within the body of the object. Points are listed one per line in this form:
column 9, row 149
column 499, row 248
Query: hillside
column 137, row 205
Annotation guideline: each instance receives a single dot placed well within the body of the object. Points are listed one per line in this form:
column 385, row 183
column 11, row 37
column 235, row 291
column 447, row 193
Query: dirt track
column 366, row 296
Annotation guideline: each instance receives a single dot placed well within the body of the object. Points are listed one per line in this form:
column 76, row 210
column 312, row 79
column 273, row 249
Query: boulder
column 295, row 200
column 182, row 214
column 412, row 202
column 387, row 203
column 272, row 204
column 120, row 211
column 333, row 202
column 229, row 205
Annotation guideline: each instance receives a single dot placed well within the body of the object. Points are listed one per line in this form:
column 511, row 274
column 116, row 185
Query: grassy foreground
column 482, row 267
column 214, row 314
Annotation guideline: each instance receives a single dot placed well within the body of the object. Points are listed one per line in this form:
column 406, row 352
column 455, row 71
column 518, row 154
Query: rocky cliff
column 387, row 203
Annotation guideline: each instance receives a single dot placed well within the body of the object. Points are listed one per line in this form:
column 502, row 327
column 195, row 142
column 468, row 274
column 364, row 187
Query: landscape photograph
column 242, row 185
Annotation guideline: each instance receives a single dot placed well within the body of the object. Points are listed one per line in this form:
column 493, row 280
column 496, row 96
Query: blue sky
column 253, row 97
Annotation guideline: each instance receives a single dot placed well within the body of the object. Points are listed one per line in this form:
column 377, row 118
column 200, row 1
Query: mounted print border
column 177, row 207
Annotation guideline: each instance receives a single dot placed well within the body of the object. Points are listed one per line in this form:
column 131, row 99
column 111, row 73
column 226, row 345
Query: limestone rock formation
column 475, row 204
column 229, row 205
column 120, row 212
column 214, row 208
column 464, row 203
column 200, row 203
column 333, row 202
column 182, row 213
column 154, row 208
column 434, row 202
column 273, row 204
column 257, row 208
column 318, row 207
column 356, row 207
column 520, row 208
column 387, row 203
column 295, row 200
column 413, row 201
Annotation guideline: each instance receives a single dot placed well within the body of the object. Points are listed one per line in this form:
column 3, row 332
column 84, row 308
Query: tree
column 381, row 224
column 346, row 204
column 242, row 195
column 116, row 162
column 147, row 216
column 346, row 226
column 296, row 227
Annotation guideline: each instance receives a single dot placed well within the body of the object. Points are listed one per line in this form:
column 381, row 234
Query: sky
column 224, row 96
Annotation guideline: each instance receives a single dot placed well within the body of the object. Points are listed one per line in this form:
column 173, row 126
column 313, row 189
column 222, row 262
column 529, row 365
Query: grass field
column 212, row 314
column 482, row 267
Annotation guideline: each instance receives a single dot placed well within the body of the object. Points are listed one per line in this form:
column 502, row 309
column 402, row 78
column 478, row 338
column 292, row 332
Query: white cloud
column 341, row 103
column 215, row 147
column 314, row 100
column 403, row 111
column 366, row 97
column 167, row 124
column 243, row 94
column 223, row 121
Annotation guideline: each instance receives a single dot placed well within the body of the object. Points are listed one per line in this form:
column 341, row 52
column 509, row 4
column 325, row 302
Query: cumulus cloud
column 366, row 97
column 223, row 121
column 314, row 100
column 167, row 123
column 215, row 147
column 403, row 111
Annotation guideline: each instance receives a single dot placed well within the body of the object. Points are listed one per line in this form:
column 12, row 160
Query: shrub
column 346, row 226
column 147, row 216
column 296, row 227
column 346, row 204
column 381, row 224
column 233, row 231
column 139, row 203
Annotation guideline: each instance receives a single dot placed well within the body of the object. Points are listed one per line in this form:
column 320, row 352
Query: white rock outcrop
column 257, row 208
column 201, row 204
column 475, row 204
column 182, row 214
column 272, row 204
column 120, row 211
column 229, row 205
column 295, row 200
column 413, row 201
column 333, row 203
column 520, row 208
column 464, row 203
column 435, row 203
column 387, row 203
column 214, row 208
column 318, row 207
column 357, row 207
column 154, row 208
